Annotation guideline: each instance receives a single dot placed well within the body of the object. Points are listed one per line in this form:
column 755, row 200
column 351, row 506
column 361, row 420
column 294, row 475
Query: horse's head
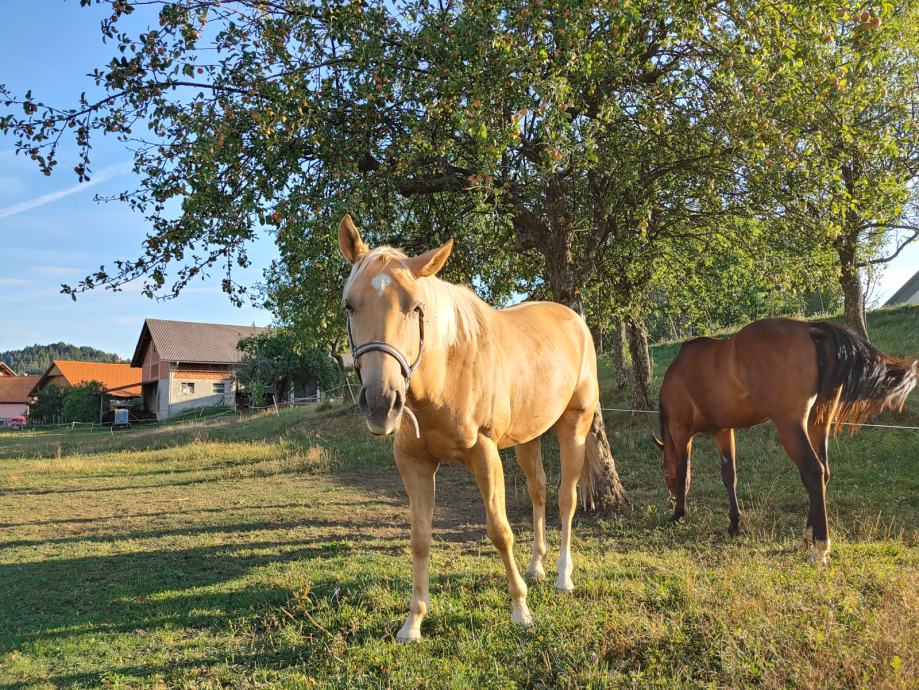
column 671, row 468
column 385, row 306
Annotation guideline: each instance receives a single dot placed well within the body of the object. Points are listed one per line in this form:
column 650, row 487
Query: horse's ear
column 430, row 262
column 349, row 240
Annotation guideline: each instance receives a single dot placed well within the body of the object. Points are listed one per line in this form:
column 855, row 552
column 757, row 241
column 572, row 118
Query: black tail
column 855, row 379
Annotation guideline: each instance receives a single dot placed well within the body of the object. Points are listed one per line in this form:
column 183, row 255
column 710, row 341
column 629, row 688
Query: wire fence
column 204, row 415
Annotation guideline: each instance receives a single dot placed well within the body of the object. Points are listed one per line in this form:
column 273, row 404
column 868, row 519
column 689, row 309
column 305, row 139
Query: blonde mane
column 454, row 313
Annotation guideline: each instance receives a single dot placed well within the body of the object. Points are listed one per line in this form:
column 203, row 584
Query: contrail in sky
column 101, row 176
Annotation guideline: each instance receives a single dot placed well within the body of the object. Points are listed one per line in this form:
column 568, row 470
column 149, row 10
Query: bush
column 81, row 403
column 48, row 405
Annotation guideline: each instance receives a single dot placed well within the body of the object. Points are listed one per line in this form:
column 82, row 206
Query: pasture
column 273, row 552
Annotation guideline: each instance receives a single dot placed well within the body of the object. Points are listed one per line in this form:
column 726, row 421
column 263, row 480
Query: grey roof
column 910, row 288
column 189, row 341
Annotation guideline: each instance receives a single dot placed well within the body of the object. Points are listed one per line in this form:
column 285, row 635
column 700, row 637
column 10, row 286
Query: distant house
column 5, row 370
column 186, row 364
column 15, row 395
column 120, row 381
column 908, row 294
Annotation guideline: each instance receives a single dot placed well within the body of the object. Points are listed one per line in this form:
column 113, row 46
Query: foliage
column 278, row 358
column 82, row 403
column 35, row 359
column 565, row 145
column 48, row 405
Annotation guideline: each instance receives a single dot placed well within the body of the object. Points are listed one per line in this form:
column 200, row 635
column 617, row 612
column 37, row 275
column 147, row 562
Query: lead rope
column 414, row 419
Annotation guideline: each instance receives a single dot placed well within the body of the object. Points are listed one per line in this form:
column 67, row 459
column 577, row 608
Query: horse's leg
column 571, row 431
column 819, row 434
column 529, row 457
column 683, row 449
column 797, row 444
column 485, row 464
column 418, row 477
column 726, row 449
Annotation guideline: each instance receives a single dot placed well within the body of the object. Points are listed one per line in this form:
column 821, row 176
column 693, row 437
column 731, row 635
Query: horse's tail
column 855, row 380
column 596, row 475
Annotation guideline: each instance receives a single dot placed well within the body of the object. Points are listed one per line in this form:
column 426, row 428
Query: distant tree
column 850, row 176
column 81, row 403
column 278, row 358
column 48, row 405
column 35, row 359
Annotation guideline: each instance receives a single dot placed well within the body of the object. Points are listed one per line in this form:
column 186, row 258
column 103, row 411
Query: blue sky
column 52, row 231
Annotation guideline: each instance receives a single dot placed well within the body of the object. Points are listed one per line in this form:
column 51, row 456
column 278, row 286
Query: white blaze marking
column 380, row 282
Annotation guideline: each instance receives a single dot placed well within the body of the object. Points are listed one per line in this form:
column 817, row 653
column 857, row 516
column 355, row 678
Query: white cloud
column 101, row 176
column 12, row 282
column 58, row 271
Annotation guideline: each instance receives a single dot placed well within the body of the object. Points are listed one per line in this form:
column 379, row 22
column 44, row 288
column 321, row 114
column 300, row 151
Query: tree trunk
column 554, row 243
column 620, row 358
column 847, row 249
column 641, row 363
column 853, row 291
column 343, row 375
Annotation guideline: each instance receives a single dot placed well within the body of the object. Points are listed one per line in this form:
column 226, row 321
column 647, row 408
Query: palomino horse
column 473, row 380
column 808, row 378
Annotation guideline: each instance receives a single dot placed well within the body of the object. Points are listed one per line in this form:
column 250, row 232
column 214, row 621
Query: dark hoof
column 676, row 516
column 734, row 530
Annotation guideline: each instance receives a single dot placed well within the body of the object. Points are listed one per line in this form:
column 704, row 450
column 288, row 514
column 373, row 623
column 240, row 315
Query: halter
column 381, row 346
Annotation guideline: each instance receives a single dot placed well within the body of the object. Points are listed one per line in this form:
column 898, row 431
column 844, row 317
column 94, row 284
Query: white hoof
column 408, row 633
column 536, row 572
column 819, row 552
column 521, row 615
column 808, row 538
column 564, row 585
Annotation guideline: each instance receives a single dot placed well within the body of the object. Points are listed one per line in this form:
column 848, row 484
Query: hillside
column 34, row 359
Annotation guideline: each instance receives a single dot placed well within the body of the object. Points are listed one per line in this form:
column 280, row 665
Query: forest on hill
column 34, row 359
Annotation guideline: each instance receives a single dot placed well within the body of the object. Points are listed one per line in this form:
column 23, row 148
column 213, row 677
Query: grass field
column 272, row 552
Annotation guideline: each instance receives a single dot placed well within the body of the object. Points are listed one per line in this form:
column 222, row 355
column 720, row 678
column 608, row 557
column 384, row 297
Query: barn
column 188, row 364
column 907, row 294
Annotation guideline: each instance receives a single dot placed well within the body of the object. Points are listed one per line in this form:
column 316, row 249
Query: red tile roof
column 109, row 375
column 17, row 389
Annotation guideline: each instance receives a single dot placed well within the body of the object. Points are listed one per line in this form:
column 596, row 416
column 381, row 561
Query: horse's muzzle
column 382, row 408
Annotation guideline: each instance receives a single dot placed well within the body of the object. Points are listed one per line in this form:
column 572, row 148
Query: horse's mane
column 454, row 312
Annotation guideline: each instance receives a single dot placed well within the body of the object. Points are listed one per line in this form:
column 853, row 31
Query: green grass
column 272, row 552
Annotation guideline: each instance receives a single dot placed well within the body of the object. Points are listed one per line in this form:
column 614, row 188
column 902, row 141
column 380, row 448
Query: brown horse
column 473, row 380
column 808, row 378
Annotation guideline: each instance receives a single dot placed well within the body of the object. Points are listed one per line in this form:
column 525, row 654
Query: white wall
column 203, row 395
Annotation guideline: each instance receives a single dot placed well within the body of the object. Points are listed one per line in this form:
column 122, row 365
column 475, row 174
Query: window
column 220, row 388
column 188, row 387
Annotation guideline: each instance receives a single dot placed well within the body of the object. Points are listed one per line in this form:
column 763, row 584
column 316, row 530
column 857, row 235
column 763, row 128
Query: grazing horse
column 472, row 380
column 808, row 378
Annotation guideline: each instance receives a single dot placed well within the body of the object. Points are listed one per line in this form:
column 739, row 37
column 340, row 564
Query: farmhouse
column 907, row 294
column 5, row 370
column 121, row 381
column 186, row 364
column 15, row 394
